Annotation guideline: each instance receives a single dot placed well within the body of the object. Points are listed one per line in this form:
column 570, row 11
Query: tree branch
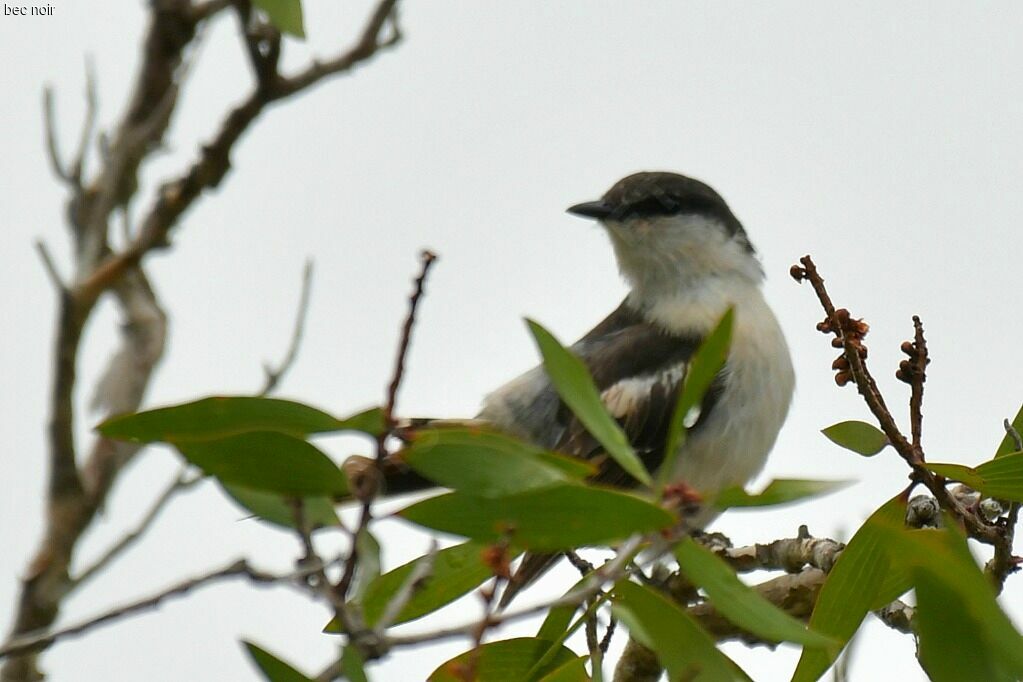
column 273, row 375
column 30, row 642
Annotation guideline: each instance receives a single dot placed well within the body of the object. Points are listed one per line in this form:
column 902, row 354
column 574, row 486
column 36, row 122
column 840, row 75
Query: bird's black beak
column 591, row 209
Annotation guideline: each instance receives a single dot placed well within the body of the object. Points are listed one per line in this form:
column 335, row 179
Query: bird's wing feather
column 639, row 369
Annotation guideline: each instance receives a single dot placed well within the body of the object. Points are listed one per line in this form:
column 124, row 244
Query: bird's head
column 671, row 232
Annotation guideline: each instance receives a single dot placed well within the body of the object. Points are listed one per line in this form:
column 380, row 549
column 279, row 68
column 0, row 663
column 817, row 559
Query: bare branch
column 34, row 642
column 175, row 197
column 427, row 258
column 408, row 588
column 790, row 554
column 612, row 571
column 849, row 335
column 273, row 375
column 915, row 371
column 180, row 483
column 371, row 42
column 88, row 126
column 52, row 145
column 51, row 267
column 1017, row 440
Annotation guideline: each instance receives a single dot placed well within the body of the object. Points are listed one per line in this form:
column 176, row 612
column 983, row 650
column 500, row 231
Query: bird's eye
column 663, row 204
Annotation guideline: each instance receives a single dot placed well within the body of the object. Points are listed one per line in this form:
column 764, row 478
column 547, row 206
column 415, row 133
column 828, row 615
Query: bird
column 686, row 260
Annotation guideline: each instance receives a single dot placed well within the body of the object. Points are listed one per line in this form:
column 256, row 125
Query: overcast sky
column 883, row 138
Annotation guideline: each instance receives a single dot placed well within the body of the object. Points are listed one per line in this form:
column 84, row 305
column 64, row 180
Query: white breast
column 732, row 445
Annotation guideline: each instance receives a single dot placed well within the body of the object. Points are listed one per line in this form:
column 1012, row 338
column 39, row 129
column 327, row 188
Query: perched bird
column 686, row 259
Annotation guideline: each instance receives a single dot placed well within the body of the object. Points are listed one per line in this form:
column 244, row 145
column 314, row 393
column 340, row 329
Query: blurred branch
column 1004, row 563
column 180, row 483
column 75, row 493
column 30, row 642
column 273, row 375
column 369, row 492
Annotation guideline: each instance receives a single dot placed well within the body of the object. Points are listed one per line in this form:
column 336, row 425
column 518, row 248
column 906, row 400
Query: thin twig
column 180, row 483
column 427, row 259
column 1003, row 563
column 77, row 169
column 273, row 375
column 612, row 571
column 844, row 327
column 51, row 267
column 918, row 375
column 1017, row 440
column 35, row 641
column 408, row 588
column 52, row 144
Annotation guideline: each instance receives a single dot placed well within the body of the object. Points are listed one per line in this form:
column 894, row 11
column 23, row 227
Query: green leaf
column 318, row 512
column 778, row 491
column 269, row 461
column 480, row 462
column 351, row 665
column 456, row 571
column 551, row 519
column 273, row 668
column 1001, row 478
column 370, row 422
column 575, row 386
column 682, row 647
column 570, row 671
column 951, row 642
column 852, row 588
column 218, row 417
column 860, row 437
column 740, row 603
column 1007, row 444
column 507, row 660
column 286, row 15
column 708, row 360
column 947, row 578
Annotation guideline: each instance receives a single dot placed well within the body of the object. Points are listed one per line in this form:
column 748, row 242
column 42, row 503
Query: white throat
column 685, row 262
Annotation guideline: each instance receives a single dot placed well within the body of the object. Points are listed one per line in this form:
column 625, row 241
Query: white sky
column 884, row 139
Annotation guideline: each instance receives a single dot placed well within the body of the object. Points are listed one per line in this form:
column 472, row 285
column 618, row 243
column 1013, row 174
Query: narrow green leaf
column 218, row 417
column 286, row 15
column 738, row 602
column 1001, row 478
column 575, row 386
column 778, row 491
column 508, row 660
column 951, row 647
column 556, row 518
column 456, row 571
column 708, row 360
column 682, row 646
column 318, row 512
column 1007, row 444
column 860, row 437
column 558, row 618
column 269, row 461
column 852, row 588
column 942, row 565
column 570, row 671
column 273, row 668
column 479, row 462
column 352, row 666
column 958, row 472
